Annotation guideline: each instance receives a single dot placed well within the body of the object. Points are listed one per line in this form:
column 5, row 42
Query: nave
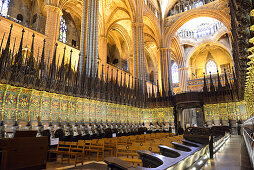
column 126, row 84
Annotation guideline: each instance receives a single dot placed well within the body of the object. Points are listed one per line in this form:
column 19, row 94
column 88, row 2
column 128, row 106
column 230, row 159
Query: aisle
column 230, row 157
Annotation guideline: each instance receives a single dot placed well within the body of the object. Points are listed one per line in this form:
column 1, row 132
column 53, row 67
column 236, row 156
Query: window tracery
column 175, row 73
column 211, row 67
column 4, row 7
column 63, row 30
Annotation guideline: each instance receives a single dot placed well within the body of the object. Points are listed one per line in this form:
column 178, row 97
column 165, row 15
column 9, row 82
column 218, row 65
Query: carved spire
column 106, row 87
column 62, row 69
column 158, row 90
column 205, row 86
column 52, row 72
column 69, row 77
column 219, row 83
column 13, row 51
column 120, row 94
column 30, row 74
column 42, row 69
column 116, row 87
column 128, row 98
column 31, row 58
column 76, row 86
column 2, row 42
column 124, row 96
column 18, row 62
column 42, row 63
column 212, row 88
column 169, row 87
column 111, row 87
column 227, row 85
column 163, row 89
column 5, row 53
column 7, row 46
column 235, row 89
column 153, row 94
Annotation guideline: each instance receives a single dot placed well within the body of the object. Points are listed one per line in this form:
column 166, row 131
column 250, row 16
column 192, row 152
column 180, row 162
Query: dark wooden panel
column 24, row 153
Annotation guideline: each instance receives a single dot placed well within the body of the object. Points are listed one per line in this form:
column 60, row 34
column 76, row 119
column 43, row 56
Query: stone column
column 89, row 35
column 139, row 52
column 183, row 78
column 166, row 67
column 138, row 39
column 103, row 41
column 52, row 28
column 83, row 37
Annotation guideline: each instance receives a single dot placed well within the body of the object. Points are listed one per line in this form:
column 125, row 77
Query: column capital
column 54, row 8
column 164, row 49
column 138, row 24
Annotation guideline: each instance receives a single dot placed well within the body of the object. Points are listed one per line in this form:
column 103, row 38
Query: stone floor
column 232, row 156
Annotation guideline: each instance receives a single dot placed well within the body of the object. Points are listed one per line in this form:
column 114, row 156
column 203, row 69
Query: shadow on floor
column 92, row 166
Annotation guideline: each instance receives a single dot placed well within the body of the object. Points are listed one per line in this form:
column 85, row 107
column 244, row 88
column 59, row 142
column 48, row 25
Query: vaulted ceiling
column 164, row 5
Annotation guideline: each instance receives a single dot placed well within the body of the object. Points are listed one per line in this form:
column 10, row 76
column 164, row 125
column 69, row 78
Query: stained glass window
column 211, row 67
column 63, row 30
column 175, row 73
column 4, row 6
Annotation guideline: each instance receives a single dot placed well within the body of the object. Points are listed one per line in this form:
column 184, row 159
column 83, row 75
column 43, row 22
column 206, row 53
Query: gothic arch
column 178, row 53
column 205, row 44
column 123, row 33
column 154, row 26
column 217, row 10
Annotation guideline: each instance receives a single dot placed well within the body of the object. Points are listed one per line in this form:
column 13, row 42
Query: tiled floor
column 232, row 156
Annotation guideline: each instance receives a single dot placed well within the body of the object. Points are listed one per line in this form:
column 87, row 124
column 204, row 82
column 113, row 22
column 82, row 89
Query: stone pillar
column 138, row 39
column 52, row 28
column 183, row 79
column 131, row 65
column 89, row 36
column 139, row 52
column 166, row 67
column 83, row 36
column 103, row 41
